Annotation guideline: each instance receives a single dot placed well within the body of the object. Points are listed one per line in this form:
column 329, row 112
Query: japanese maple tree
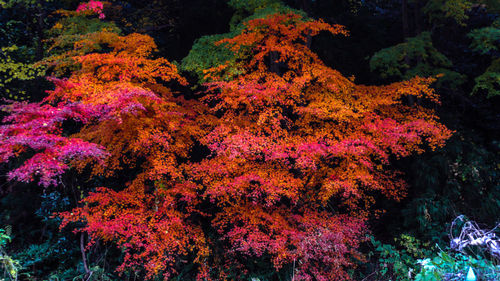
column 301, row 150
column 124, row 119
column 296, row 152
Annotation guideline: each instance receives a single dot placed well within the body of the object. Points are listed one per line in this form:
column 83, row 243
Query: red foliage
column 297, row 136
column 92, row 7
column 297, row 153
column 108, row 90
column 37, row 127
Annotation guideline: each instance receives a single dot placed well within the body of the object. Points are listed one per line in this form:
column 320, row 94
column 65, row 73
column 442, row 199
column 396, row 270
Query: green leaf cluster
column 454, row 267
column 10, row 267
column 252, row 6
column 14, row 74
column 11, row 3
column 415, row 57
column 437, row 10
column 489, row 81
column 206, row 54
column 397, row 261
column 486, row 41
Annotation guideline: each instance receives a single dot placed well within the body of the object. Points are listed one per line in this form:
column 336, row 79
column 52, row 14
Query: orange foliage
column 296, row 136
column 296, row 153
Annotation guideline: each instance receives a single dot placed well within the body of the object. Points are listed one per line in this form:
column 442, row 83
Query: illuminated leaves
column 297, row 136
column 152, row 232
column 282, row 162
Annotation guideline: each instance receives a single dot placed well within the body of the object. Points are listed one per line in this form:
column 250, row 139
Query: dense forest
column 250, row 140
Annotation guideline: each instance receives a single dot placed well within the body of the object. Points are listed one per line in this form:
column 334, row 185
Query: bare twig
column 472, row 235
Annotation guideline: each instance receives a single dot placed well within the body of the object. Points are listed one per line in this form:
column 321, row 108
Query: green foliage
column 489, row 81
column 15, row 74
column 57, row 256
column 4, row 238
column 97, row 274
column 496, row 23
column 50, row 259
column 398, row 262
column 437, row 10
column 51, row 203
column 461, row 178
column 9, row 266
column 493, row 6
column 454, row 267
column 253, row 9
column 240, row 18
column 76, row 26
column 11, row 31
column 206, row 54
column 71, row 29
column 416, row 57
column 485, row 40
column 252, row 6
column 11, row 3
column 408, row 259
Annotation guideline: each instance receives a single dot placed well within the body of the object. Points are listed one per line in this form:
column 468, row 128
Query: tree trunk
column 84, row 258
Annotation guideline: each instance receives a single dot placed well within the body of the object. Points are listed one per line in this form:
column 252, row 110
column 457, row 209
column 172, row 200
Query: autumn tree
column 124, row 120
column 299, row 142
column 281, row 161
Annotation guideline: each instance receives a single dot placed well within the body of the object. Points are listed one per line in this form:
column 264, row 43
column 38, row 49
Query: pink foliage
column 37, row 128
column 92, row 6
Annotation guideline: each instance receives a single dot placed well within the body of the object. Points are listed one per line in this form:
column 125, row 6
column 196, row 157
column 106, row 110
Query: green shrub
column 9, row 266
column 454, row 267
